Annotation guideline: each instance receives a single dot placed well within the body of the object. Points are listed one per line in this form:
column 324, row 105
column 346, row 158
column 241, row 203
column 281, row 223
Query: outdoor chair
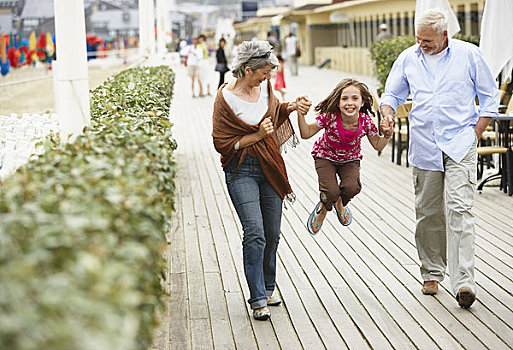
column 401, row 135
column 375, row 106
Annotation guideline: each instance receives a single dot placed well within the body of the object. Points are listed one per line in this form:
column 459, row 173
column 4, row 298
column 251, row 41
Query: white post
column 161, row 27
column 72, row 95
column 144, row 45
column 151, row 25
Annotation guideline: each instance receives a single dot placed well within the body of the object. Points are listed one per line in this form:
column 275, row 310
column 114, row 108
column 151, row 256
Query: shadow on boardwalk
column 349, row 287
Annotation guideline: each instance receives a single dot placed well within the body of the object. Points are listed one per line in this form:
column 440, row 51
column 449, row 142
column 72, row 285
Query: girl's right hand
column 266, row 128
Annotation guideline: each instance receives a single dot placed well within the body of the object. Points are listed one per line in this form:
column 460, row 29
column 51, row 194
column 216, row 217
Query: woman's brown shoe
column 430, row 287
column 261, row 313
column 271, row 301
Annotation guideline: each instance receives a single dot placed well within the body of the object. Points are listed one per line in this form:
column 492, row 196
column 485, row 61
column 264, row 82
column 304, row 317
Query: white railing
column 40, row 71
column 19, row 135
column 352, row 60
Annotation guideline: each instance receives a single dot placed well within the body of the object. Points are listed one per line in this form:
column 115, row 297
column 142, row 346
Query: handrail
column 39, row 75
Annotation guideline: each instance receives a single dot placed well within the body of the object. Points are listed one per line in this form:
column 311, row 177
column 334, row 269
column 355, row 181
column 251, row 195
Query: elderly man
column 443, row 76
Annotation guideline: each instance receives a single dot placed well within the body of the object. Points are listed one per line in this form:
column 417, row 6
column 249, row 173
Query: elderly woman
column 249, row 127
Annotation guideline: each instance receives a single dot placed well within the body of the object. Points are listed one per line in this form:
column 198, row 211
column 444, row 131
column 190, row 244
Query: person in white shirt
column 443, row 75
column 291, row 48
column 194, row 58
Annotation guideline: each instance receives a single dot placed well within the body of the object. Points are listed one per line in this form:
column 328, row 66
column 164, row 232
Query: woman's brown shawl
column 228, row 129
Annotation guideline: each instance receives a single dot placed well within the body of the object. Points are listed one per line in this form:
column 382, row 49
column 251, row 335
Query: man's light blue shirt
column 444, row 111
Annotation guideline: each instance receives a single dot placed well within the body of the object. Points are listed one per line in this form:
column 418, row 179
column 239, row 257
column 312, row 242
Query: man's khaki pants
column 445, row 224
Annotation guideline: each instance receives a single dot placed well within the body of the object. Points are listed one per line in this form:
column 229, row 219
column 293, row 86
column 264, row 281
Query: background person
column 383, row 33
column 222, row 64
column 444, row 76
column 204, row 70
column 279, row 80
column 194, row 55
column 292, row 50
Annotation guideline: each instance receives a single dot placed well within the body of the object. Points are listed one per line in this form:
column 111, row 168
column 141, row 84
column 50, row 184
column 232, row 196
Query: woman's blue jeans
column 259, row 209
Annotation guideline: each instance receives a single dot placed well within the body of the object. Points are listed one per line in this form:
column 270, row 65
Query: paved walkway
column 349, row 287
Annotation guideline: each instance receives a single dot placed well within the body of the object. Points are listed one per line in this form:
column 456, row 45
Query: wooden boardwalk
column 352, row 287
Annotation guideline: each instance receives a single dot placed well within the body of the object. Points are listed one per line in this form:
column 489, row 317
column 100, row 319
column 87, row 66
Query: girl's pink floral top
column 339, row 144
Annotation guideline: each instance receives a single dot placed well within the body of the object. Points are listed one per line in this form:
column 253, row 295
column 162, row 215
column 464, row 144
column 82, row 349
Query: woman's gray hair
column 254, row 54
column 435, row 18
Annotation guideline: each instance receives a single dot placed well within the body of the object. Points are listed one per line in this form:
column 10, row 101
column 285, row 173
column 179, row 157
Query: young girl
column 279, row 83
column 344, row 115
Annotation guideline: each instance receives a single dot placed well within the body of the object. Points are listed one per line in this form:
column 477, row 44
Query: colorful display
column 16, row 52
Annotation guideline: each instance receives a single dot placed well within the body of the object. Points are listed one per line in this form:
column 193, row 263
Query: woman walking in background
column 279, row 83
column 222, row 65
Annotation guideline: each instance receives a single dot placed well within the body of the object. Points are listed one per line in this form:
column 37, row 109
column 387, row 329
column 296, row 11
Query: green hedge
column 82, row 227
column 384, row 53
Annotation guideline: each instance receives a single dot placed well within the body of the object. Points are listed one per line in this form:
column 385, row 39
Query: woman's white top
column 249, row 112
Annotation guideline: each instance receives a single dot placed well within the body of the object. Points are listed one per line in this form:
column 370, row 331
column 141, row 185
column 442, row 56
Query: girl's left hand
column 304, row 104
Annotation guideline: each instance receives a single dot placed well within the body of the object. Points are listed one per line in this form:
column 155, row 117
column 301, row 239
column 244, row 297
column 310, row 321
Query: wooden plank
column 239, row 319
column 161, row 334
column 178, row 303
column 243, row 335
column 200, row 327
column 198, row 317
column 452, row 301
column 206, row 245
column 222, row 334
column 179, row 336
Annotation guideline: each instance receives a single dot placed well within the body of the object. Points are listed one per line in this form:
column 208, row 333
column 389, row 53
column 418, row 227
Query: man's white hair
column 250, row 54
column 435, row 18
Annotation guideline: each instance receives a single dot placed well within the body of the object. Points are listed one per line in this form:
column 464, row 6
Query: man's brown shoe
column 430, row 287
column 465, row 297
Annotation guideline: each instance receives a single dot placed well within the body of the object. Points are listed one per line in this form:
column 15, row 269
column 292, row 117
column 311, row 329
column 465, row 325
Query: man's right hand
column 387, row 126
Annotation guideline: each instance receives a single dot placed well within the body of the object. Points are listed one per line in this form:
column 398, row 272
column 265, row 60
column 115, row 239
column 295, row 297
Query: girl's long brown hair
column 330, row 103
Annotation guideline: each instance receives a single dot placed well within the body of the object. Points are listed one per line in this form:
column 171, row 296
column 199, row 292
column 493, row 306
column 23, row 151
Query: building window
column 406, row 21
column 461, row 18
column 474, row 20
